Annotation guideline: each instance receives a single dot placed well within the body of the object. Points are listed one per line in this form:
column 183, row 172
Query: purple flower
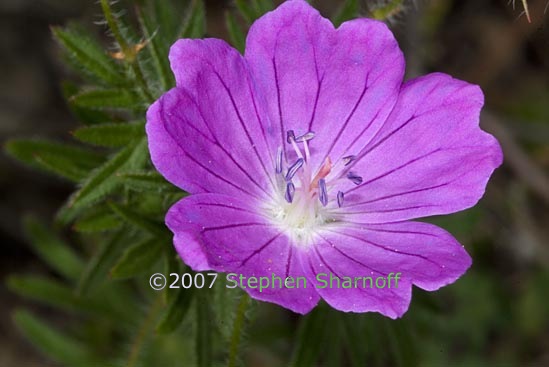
column 309, row 155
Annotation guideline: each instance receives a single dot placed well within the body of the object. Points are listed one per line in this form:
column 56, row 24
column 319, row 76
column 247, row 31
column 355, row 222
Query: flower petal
column 429, row 158
column 209, row 134
column 233, row 238
column 423, row 254
column 341, row 83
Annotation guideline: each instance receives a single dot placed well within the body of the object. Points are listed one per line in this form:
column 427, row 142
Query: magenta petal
column 233, row 238
column 209, row 134
column 341, row 83
column 329, row 258
column 429, row 158
column 423, row 254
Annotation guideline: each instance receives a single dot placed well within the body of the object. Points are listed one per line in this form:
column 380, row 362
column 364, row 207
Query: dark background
column 483, row 42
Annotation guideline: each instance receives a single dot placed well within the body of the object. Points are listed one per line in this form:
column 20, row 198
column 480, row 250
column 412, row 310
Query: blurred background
column 496, row 315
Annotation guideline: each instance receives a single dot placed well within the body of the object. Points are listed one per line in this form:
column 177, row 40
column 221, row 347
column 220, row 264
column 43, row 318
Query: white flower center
column 302, row 204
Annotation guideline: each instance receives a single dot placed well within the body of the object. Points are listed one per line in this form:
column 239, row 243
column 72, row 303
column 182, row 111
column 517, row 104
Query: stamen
column 348, row 159
column 323, row 172
column 356, row 179
column 306, row 137
column 293, row 169
column 322, row 193
column 340, row 197
column 307, row 152
column 290, row 139
column 279, row 160
column 290, row 190
column 290, row 136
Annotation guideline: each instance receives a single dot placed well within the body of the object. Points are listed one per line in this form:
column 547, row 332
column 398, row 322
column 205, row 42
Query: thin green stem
column 238, row 327
column 130, row 55
column 144, row 330
column 204, row 329
column 109, row 17
column 141, row 80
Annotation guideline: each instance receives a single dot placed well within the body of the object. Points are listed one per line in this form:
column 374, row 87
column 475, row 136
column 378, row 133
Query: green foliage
column 102, row 99
column 176, row 311
column 110, row 135
column 54, row 252
column 65, row 160
column 237, row 22
column 236, row 34
column 104, row 179
column 310, row 340
column 138, row 259
column 59, row 347
column 97, row 221
column 348, row 10
column 194, row 25
column 88, row 55
column 147, row 181
column 388, row 10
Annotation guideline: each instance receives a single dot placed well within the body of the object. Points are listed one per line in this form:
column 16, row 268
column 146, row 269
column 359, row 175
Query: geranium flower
column 310, row 155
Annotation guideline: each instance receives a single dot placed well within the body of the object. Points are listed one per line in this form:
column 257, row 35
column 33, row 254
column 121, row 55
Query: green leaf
column 238, row 329
column 102, row 220
column 262, row 6
column 147, row 181
column 238, row 39
column 246, row 10
column 172, row 264
column 53, row 293
column 204, row 326
column 310, row 338
column 59, row 347
column 111, row 135
column 58, row 255
column 63, row 166
column 355, row 338
column 89, row 55
column 104, row 99
column 104, row 179
column 388, row 10
column 194, row 25
column 138, row 259
column 158, row 39
column 176, row 311
column 401, row 343
column 102, row 261
column 167, row 17
column 66, row 160
column 137, row 220
column 85, row 115
column 347, row 11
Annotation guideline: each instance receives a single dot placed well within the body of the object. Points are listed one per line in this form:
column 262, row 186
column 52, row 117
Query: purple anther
column 357, row 180
column 290, row 136
column 322, row 192
column 290, row 190
column 348, row 159
column 340, row 197
column 293, row 169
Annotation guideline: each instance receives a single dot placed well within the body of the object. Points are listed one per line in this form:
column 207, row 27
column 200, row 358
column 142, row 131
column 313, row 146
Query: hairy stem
column 238, row 328
column 144, row 330
column 130, row 55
